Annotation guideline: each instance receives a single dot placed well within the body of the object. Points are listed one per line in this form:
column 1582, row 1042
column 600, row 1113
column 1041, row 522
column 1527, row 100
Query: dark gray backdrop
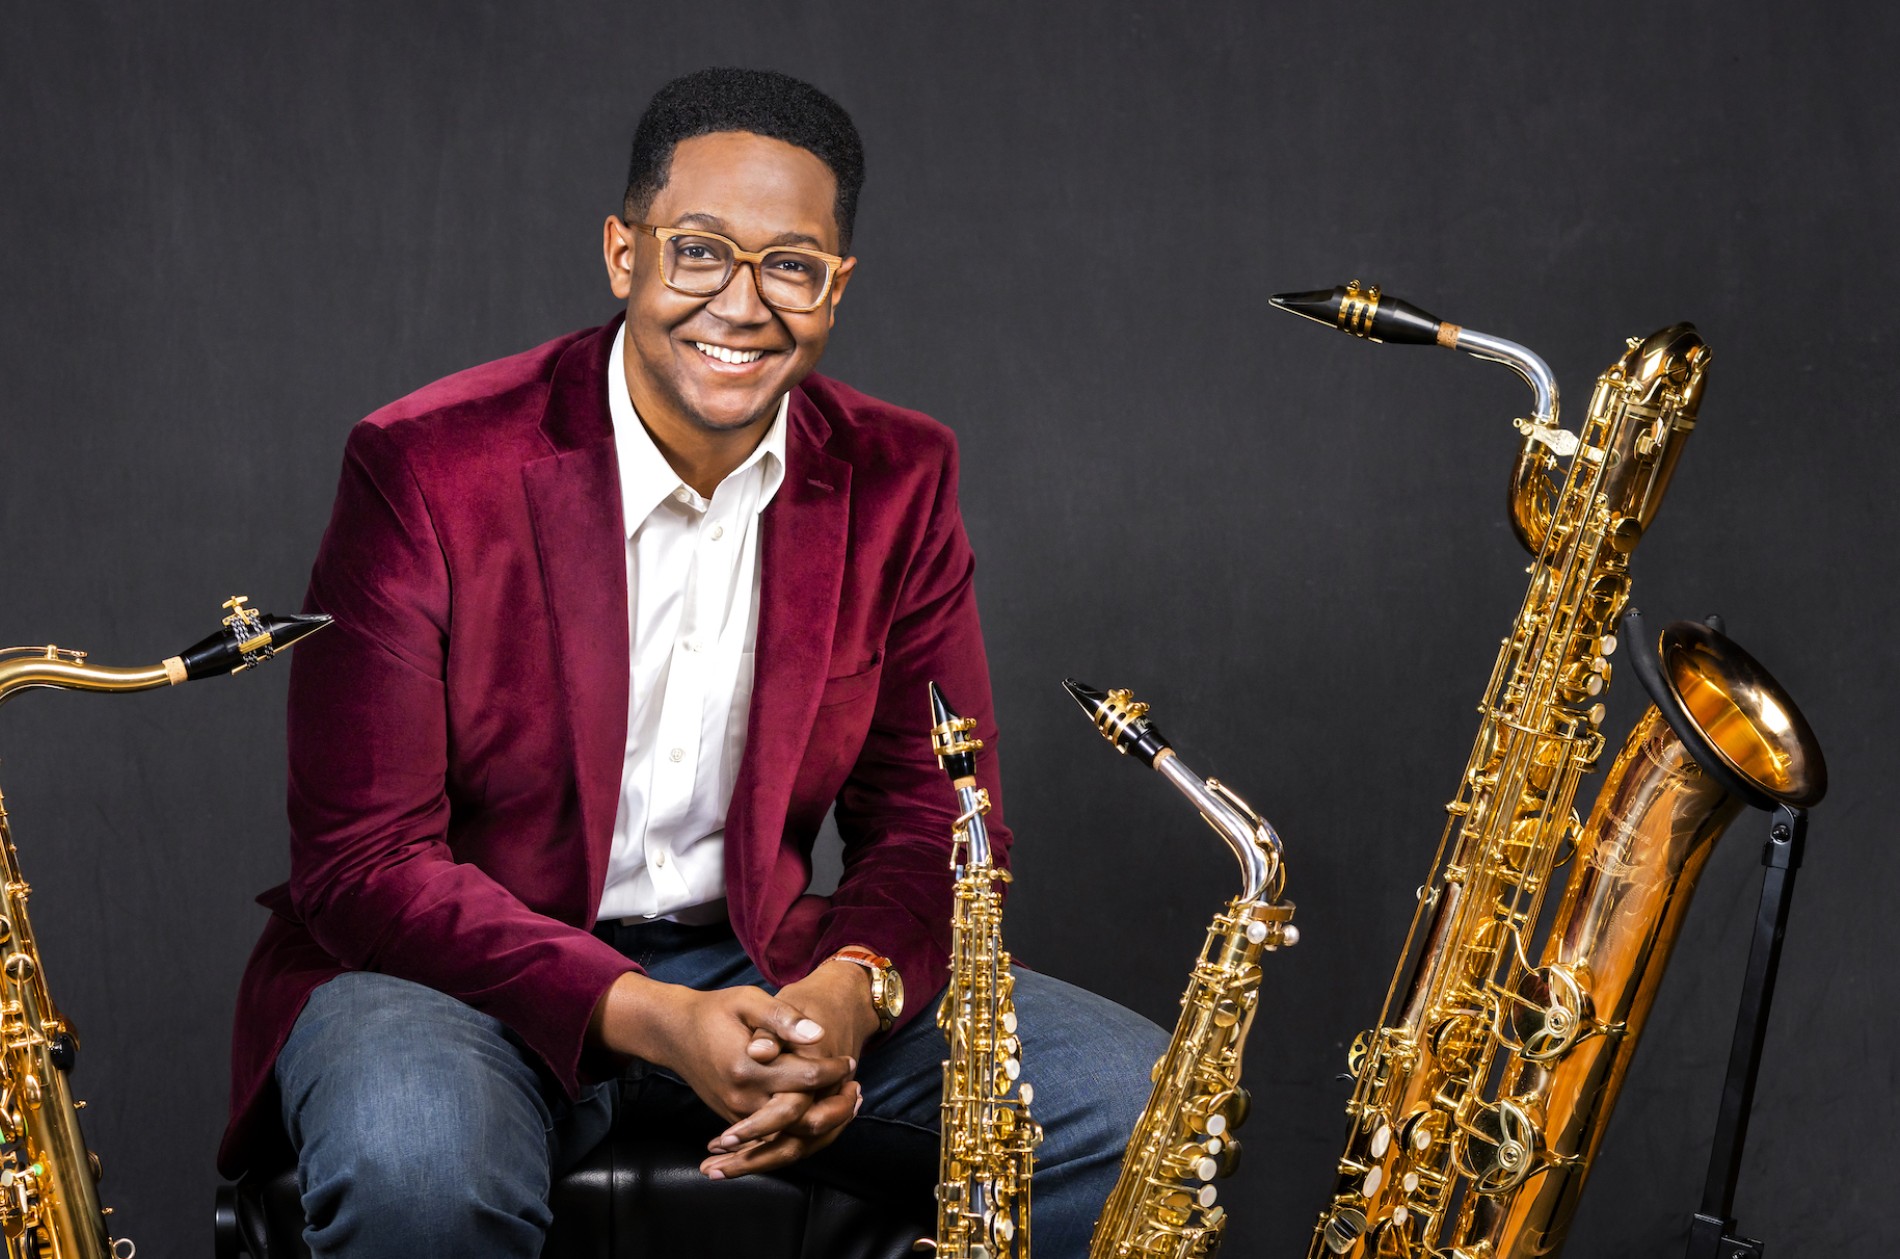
column 231, row 230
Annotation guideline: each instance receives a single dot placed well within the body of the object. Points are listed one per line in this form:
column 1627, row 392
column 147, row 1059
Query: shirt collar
column 646, row 478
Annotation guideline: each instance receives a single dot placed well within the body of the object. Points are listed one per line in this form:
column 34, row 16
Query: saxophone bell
column 1739, row 724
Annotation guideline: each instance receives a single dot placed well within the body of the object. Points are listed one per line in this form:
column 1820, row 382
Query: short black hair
column 763, row 102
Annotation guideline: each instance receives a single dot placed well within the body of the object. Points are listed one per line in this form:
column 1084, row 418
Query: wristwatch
column 887, row 986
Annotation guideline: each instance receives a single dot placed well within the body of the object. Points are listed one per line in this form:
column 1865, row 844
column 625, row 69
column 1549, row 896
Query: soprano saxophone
column 989, row 1139
column 1164, row 1205
column 1480, row 1098
column 49, row 1201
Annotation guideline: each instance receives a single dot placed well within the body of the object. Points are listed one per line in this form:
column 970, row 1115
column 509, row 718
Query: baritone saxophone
column 988, row 1143
column 1480, row 1098
column 49, row 1200
column 1164, row 1204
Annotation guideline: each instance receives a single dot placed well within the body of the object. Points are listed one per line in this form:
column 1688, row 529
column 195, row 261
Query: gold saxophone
column 989, row 1140
column 1164, row 1203
column 1480, row 1098
column 49, row 1201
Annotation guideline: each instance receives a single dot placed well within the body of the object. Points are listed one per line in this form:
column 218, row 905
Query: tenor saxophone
column 1164, row 1205
column 988, row 1143
column 49, row 1201
column 1480, row 1098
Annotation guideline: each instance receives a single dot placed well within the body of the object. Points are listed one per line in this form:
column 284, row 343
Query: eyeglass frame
column 741, row 256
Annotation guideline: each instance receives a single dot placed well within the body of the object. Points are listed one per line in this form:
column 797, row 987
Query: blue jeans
column 424, row 1127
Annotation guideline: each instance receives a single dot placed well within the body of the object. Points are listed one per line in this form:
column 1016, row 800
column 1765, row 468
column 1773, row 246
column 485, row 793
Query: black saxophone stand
column 1712, row 1233
column 1735, row 696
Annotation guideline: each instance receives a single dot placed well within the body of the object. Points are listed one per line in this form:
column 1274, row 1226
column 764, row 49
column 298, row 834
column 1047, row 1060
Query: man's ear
column 616, row 247
column 838, row 282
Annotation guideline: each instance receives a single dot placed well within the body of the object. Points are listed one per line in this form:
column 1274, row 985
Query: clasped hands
column 782, row 1070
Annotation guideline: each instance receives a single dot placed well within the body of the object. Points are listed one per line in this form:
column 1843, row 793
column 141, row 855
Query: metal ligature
column 1480, row 1098
column 49, row 1201
column 1164, row 1205
column 989, row 1139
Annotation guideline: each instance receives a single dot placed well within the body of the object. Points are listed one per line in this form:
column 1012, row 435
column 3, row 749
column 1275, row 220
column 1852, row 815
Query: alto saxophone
column 989, row 1140
column 1164, row 1203
column 49, row 1202
column 1480, row 1098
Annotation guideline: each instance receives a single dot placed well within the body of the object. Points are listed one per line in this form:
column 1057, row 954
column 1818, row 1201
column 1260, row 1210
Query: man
column 617, row 621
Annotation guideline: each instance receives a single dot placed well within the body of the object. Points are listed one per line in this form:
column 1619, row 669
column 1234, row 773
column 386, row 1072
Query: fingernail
column 858, row 1105
column 728, row 1142
column 853, row 1062
column 715, row 1173
column 806, row 1030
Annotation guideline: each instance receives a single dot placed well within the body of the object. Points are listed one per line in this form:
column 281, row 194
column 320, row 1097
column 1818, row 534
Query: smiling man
column 618, row 620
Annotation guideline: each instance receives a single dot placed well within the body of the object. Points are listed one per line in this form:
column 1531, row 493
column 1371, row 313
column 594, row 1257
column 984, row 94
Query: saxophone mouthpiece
column 249, row 637
column 951, row 740
column 1122, row 719
column 1368, row 314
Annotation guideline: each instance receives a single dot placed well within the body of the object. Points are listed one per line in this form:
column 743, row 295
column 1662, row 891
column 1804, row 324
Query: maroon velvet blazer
column 456, row 738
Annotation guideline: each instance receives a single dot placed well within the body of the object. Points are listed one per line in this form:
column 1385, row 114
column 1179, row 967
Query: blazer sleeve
column 896, row 809
column 372, row 876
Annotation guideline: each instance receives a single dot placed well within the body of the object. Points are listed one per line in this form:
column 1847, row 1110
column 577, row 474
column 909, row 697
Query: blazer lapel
column 802, row 558
column 574, row 501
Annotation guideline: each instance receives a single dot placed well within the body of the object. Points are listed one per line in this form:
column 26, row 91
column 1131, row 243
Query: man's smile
column 728, row 354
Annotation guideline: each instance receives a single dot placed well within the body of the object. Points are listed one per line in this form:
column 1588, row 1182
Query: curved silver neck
column 974, row 803
column 1535, row 371
column 1255, row 845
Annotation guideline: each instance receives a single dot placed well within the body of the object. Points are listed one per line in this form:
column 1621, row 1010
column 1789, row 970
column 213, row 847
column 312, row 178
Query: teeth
column 726, row 355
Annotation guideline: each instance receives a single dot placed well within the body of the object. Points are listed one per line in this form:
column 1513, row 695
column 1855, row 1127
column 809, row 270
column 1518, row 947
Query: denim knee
column 1091, row 1061
column 421, row 1126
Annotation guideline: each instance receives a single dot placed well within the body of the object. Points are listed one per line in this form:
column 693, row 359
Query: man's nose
column 739, row 302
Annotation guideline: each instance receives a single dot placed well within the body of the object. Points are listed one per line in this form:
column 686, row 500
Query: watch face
column 894, row 991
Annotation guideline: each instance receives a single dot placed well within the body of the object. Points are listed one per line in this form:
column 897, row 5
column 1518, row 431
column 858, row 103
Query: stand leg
column 1711, row 1232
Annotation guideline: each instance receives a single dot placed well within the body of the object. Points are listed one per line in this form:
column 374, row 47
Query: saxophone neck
column 249, row 637
column 971, row 831
column 1123, row 721
column 1374, row 316
column 953, row 740
column 28, row 668
column 1255, row 844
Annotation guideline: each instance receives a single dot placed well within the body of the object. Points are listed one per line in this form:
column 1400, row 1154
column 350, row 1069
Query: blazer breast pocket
column 849, row 686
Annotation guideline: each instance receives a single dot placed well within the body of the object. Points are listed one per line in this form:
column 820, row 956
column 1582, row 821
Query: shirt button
column 718, row 532
column 660, row 860
column 683, row 495
column 676, row 755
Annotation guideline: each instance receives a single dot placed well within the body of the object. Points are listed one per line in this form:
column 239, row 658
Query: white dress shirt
column 693, row 617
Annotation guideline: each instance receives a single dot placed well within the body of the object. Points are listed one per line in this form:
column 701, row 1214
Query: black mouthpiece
column 1367, row 313
column 1122, row 720
column 248, row 638
column 951, row 738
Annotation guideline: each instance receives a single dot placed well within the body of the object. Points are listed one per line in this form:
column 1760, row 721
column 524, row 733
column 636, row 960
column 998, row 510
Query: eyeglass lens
column 703, row 264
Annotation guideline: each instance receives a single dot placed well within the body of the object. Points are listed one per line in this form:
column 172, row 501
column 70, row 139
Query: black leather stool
column 639, row 1193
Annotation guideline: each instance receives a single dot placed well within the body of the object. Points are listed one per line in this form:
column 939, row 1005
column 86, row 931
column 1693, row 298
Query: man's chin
column 732, row 415
column 729, row 421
